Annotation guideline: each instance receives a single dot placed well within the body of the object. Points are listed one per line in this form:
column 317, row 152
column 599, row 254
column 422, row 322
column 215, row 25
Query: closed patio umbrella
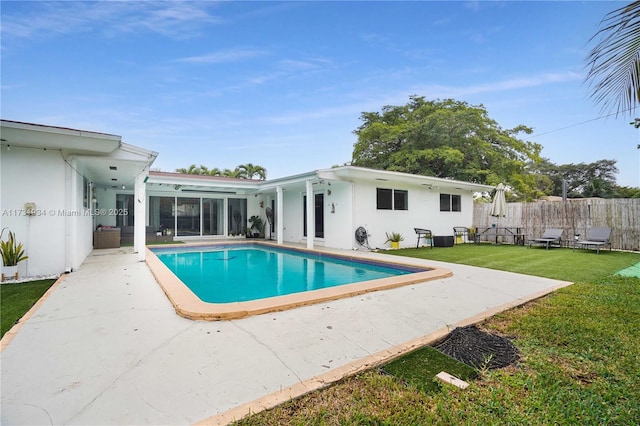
column 499, row 204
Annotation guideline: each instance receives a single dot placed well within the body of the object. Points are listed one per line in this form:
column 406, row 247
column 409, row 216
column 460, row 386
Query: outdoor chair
column 596, row 237
column 552, row 236
column 426, row 234
column 460, row 234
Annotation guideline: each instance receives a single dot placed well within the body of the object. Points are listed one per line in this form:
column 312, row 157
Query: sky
column 283, row 84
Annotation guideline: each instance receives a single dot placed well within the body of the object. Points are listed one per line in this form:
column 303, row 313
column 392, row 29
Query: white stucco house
column 49, row 179
column 58, row 185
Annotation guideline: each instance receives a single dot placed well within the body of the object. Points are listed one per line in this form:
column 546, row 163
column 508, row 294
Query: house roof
column 201, row 183
column 226, row 185
column 110, row 162
column 103, row 158
column 29, row 135
column 353, row 173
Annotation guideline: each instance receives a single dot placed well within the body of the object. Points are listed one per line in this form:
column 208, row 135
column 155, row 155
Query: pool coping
column 188, row 305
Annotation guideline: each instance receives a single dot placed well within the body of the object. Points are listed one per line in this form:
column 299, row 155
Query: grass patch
column 419, row 368
column 579, row 355
column 557, row 263
column 17, row 299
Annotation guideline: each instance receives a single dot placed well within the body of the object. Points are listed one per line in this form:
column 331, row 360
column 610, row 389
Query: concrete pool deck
column 107, row 347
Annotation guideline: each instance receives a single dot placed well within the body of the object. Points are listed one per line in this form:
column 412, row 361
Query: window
column 450, row 203
column 400, row 200
column 384, row 199
column 392, row 199
column 456, row 203
column 86, row 202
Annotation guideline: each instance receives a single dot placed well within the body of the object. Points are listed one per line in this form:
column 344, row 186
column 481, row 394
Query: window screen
column 384, row 199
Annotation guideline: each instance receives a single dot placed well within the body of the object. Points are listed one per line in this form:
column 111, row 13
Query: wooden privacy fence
column 575, row 216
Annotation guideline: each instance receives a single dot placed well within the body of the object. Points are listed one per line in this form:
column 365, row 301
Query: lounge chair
column 596, row 237
column 426, row 234
column 551, row 236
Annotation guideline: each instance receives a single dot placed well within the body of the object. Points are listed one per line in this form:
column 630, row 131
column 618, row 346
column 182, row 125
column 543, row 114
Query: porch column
column 70, row 203
column 311, row 228
column 279, row 215
column 140, row 219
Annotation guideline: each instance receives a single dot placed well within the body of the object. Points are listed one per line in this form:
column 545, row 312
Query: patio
column 107, row 347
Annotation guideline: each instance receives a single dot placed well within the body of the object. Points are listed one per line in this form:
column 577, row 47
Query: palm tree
column 236, row 173
column 250, row 171
column 614, row 63
column 243, row 171
column 192, row 170
column 215, row 172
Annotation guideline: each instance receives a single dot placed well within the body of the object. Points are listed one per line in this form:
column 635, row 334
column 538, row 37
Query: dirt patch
column 478, row 348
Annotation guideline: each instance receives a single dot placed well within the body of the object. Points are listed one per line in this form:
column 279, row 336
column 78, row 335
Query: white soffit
column 351, row 173
column 71, row 141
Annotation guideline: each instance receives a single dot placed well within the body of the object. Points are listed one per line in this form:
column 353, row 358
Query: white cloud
column 49, row 19
column 442, row 91
column 225, row 56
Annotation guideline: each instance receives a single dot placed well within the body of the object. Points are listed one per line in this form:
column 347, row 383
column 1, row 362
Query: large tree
column 447, row 139
column 614, row 63
column 595, row 179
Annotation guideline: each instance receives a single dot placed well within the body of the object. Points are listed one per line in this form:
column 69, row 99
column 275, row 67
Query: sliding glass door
column 212, row 216
column 161, row 213
column 196, row 216
column 188, row 216
column 237, row 216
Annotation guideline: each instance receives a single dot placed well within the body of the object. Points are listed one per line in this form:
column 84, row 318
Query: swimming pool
column 242, row 273
column 226, row 281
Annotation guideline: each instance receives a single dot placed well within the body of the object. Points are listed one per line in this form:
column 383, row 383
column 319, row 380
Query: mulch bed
column 478, row 349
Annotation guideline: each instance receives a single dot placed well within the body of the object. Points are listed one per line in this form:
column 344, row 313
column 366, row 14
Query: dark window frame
column 392, row 199
column 450, row 203
column 384, row 199
column 400, row 199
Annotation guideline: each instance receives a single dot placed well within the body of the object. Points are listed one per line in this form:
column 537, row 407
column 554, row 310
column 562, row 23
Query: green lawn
column 579, row 348
column 558, row 263
column 418, row 368
column 17, row 299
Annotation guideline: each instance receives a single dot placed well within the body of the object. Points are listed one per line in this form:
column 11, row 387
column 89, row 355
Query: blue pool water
column 242, row 273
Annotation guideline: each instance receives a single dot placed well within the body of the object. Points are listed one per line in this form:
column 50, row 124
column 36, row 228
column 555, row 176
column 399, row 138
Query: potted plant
column 394, row 238
column 12, row 253
column 257, row 226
